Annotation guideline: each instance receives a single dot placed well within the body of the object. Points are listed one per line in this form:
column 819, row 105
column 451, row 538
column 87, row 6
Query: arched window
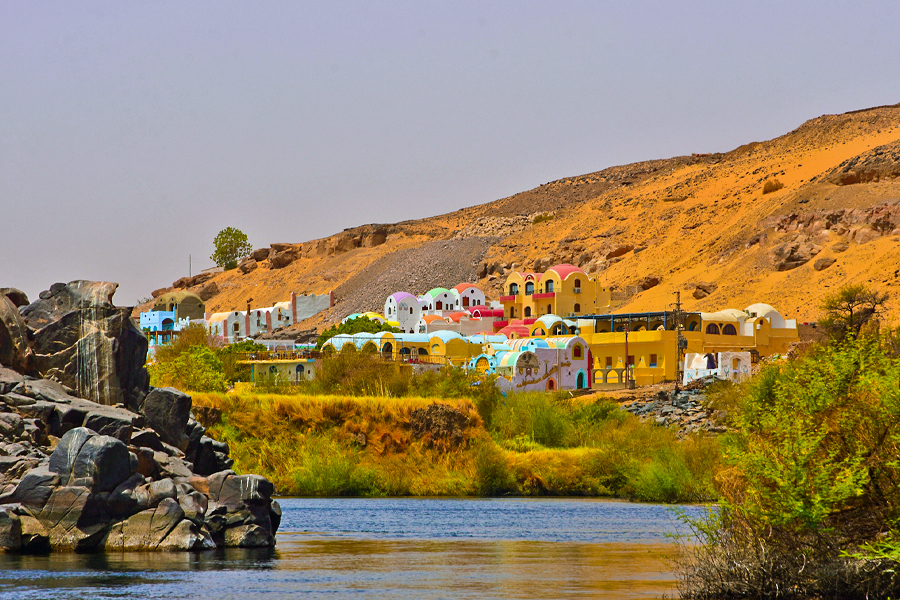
column 577, row 308
column 578, row 283
column 712, row 328
column 529, row 288
column 549, row 286
column 692, row 326
column 410, row 310
column 549, row 308
column 527, row 311
column 513, row 289
column 729, row 330
column 576, row 351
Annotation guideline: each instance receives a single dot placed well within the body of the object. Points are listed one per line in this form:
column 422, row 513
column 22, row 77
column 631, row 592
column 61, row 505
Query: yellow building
column 563, row 290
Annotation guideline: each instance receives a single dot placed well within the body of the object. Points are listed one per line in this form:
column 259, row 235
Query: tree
column 849, row 309
column 357, row 325
column 231, row 246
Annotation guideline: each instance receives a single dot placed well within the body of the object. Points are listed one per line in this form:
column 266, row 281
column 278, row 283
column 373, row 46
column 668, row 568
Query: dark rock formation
column 140, row 475
column 16, row 296
column 81, row 340
column 440, row 425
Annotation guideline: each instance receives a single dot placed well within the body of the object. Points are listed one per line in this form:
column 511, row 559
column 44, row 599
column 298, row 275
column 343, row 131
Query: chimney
column 293, row 308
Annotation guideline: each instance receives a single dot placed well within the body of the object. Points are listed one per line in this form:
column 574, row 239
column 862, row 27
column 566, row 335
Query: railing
column 544, row 295
column 278, row 355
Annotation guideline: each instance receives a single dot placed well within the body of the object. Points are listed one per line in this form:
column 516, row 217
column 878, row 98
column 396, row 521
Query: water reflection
column 391, row 549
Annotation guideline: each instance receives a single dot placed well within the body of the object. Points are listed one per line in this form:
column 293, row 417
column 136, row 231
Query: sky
column 132, row 132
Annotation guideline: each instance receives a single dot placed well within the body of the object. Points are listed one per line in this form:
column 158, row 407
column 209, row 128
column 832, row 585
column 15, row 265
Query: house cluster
column 175, row 310
column 548, row 331
column 555, row 330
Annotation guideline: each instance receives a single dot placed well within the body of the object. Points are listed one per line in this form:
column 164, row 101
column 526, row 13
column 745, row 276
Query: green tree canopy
column 357, row 325
column 231, row 246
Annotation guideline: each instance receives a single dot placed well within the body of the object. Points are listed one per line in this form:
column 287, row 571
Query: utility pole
column 680, row 340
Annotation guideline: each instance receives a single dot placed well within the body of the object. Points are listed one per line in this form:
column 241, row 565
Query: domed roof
column 436, row 292
column 432, row 318
column 398, row 296
column 464, row 286
column 177, row 297
column 564, row 270
column 455, row 317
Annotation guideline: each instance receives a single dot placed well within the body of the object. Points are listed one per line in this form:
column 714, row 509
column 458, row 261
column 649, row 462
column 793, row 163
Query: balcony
column 507, row 298
column 544, row 295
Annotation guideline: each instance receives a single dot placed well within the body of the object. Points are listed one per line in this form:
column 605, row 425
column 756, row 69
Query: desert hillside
column 701, row 224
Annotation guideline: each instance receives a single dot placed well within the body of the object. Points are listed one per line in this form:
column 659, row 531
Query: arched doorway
column 551, row 384
column 388, row 348
column 581, row 381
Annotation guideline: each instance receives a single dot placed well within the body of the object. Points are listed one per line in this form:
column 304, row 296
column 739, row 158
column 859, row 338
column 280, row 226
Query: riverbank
column 523, row 445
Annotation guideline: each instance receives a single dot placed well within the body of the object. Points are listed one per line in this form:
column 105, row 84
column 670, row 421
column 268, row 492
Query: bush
column 811, row 487
column 492, row 471
column 198, row 369
column 542, row 218
column 535, row 415
column 329, row 469
column 772, row 185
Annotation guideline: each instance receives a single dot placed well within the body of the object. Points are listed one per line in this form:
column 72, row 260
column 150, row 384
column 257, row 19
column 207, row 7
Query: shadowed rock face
column 143, row 476
column 81, row 340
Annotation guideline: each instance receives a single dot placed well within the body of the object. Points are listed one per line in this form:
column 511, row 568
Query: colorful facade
column 234, row 326
column 561, row 290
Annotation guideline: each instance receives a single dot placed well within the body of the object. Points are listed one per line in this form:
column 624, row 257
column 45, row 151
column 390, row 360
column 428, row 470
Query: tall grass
column 535, row 444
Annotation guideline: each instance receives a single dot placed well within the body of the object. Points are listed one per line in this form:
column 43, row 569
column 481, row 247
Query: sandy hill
column 701, row 224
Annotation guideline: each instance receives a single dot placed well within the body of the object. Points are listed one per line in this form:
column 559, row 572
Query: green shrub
column 492, row 471
column 536, row 415
column 329, row 469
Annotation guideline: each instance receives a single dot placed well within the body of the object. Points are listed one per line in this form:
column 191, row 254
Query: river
column 394, row 548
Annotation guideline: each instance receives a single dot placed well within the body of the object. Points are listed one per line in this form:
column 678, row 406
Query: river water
column 394, row 548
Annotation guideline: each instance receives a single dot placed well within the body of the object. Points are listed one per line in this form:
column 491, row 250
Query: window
column 652, row 360
column 576, row 351
column 513, row 289
column 438, row 305
column 729, row 330
column 609, row 362
column 631, row 360
column 549, row 308
column 577, row 308
column 713, row 329
column 577, row 284
column 529, row 288
column 410, row 310
column 550, row 286
column 527, row 311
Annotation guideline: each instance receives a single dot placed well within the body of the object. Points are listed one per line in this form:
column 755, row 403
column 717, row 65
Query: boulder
column 110, row 423
column 74, row 518
column 648, row 282
column 83, row 341
column 35, row 537
column 864, row 235
column 440, row 424
column 247, row 265
column 15, row 351
column 16, row 296
column 703, row 289
column 208, row 291
column 280, row 260
column 259, row 254
column 147, row 529
column 793, row 254
column 619, row 251
column 10, row 531
column 35, row 487
column 98, row 462
column 823, row 263
column 166, row 411
column 841, row 246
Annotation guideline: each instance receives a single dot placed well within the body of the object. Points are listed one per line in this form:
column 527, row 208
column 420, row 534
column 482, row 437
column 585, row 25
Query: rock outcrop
column 80, row 474
column 84, row 342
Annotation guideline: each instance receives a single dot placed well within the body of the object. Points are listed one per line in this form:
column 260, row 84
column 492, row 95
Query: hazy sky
column 132, row 132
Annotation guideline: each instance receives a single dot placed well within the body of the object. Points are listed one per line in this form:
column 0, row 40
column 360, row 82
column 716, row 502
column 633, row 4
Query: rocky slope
column 701, row 224
column 91, row 457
